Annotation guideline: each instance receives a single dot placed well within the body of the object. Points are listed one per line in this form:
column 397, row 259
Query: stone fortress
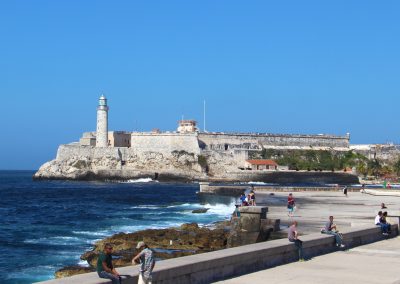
column 186, row 154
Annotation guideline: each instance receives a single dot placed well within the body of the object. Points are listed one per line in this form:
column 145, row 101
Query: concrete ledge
column 223, row 264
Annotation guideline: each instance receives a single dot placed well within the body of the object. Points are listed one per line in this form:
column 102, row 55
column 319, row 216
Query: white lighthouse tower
column 102, row 123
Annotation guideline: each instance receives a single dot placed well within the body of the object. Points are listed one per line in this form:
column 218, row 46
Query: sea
column 46, row 225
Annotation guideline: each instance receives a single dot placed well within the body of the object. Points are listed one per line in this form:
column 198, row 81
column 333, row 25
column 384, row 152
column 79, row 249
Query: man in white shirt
column 378, row 218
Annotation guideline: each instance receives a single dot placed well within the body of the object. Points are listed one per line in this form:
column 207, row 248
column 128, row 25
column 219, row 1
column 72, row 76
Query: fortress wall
column 387, row 153
column 165, row 142
column 219, row 141
column 68, row 151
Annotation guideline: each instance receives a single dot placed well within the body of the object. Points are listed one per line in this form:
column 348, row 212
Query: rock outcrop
column 72, row 270
column 185, row 240
column 167, row 243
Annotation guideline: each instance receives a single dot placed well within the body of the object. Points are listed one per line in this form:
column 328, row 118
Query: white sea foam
column 135, row 228
column 222, row 210
column 58, row 240
column 89, row 233
column 140, row 180
column 152, row 207
column 83, row 263
column 183, row 205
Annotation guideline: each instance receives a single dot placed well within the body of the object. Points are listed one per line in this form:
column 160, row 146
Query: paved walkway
column 374, row 263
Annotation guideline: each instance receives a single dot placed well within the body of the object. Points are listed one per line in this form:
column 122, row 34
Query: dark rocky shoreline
column 188, row 239
column 167, row 243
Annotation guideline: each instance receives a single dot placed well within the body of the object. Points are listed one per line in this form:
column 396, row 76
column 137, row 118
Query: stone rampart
column 223, row 264
column 383, row 152
column 256, row 141
column 165, row 142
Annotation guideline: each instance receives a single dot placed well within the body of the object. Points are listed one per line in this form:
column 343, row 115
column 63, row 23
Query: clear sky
column 305, row 67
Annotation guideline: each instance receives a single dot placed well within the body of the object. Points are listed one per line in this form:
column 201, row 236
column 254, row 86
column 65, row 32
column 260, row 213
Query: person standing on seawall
column 147, row 262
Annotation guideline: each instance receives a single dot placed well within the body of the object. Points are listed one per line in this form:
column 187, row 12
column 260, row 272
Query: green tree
column 396, row 167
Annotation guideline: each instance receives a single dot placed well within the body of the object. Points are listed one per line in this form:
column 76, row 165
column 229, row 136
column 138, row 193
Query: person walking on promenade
column 290, row 204
column 293, row 237
column 331, row 229
column 345, row 190
column 147, row 262
column 105, row 268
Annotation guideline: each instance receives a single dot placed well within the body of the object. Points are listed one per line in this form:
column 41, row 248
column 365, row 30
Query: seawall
column 223, row 264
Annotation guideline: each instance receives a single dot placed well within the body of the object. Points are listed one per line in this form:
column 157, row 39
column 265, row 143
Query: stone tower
column 102, row 123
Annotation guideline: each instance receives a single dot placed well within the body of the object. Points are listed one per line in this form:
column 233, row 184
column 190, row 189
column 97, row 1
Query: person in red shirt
column 290, row 205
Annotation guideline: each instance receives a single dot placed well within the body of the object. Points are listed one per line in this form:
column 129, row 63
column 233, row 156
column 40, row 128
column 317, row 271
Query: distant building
column 187, row 126
column 119, row 139
column 261, row 165
column 88, row 139
column 115, row 139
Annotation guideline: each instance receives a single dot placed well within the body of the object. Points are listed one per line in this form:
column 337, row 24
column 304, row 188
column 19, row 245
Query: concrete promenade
column 373, row 263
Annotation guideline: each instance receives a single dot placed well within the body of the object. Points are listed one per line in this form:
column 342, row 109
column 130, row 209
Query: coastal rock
column 167, row 243
column 202, row 210
column 72, row 270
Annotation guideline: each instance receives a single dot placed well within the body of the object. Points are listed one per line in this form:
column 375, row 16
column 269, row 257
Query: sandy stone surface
column 314, row 208
column 373, row 263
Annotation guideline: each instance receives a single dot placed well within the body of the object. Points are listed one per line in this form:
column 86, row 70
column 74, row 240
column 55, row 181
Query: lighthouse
column 102, row 123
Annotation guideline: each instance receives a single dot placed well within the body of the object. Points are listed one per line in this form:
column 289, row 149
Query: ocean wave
column 59, row 240
column 185, row 205
column 136, row 228
column 152, row 207
column 89, row 233
column 220, row 209
column 83, row 263
column 261, row 183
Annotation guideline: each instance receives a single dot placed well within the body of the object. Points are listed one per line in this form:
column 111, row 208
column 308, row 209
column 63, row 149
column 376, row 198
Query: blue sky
column 262, row 66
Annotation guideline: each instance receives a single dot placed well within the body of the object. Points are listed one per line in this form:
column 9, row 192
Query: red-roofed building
column 262, row 164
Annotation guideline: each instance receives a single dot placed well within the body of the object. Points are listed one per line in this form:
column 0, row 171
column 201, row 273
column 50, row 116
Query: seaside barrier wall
column 165, row 142
column 236, row 190
column 227, row 263
column 289, row 177
column 255, row 141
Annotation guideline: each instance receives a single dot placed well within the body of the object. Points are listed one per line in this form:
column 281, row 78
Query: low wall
column 237, row 190
column 289, row 177
column 223, row 264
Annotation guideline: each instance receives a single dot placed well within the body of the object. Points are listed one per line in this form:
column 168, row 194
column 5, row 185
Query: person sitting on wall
column 253, row 198
column 383, row 206
column 378, row 218
column 105, row 268
column 243, row 200
column 386, row 227
column 293, row 237
column 249, row 199
column 331, row 229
